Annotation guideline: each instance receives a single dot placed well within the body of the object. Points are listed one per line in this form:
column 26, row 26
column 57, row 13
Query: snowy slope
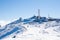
column 32, row 29
column 38, row 32
column 10, row 29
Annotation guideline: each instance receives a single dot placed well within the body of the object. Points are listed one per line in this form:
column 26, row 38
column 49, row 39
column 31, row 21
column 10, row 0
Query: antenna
column 0, row 25
column 49, row 16
column 39, row 13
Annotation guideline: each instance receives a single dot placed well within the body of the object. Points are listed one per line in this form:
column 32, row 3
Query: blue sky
column 13, row 9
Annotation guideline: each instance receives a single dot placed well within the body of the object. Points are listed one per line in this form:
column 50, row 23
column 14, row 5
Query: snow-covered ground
column 45, row 31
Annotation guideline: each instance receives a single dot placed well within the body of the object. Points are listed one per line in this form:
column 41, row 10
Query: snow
column 3, row 22
column 43, row 31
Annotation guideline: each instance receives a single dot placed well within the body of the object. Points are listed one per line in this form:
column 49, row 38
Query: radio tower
column 38, row 13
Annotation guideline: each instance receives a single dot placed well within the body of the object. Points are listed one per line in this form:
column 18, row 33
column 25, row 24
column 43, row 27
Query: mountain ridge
column 9, row 28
